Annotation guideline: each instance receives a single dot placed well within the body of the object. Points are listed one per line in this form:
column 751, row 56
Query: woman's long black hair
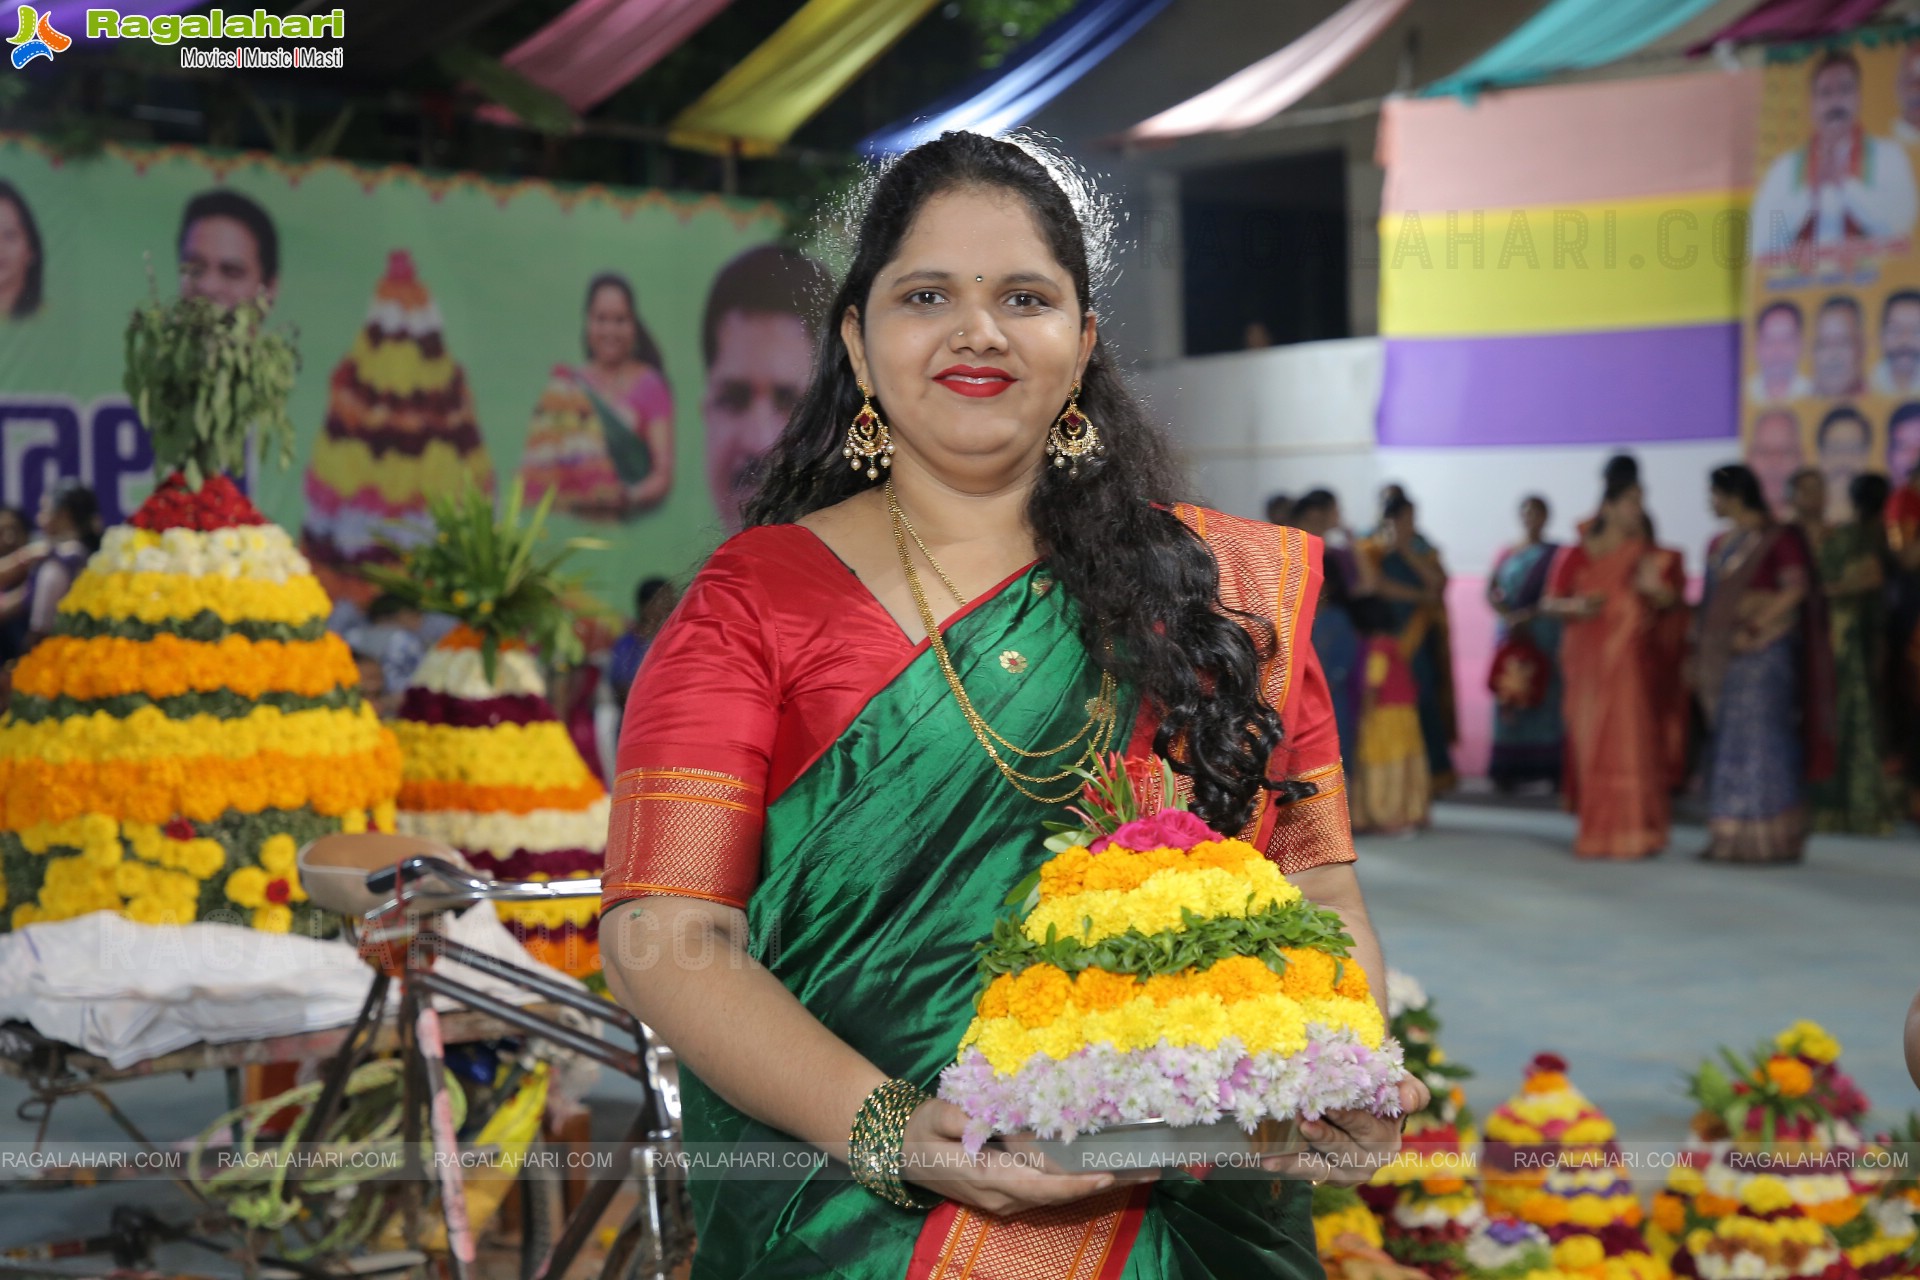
column 1739, row 483
column 645, row 349
column 1145, row 584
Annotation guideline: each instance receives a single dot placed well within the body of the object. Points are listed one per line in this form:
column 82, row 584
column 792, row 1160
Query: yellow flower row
column 158, row 597
column 1757, row 1234
column 1077, row 870
column 1156, row 906
column 529, row 755
column 1588, row 1211
column 167, row 666
column 1594, row 1129
column 578, row 912
column 1041, row 993
column 1264, row 1024
column 150, row 733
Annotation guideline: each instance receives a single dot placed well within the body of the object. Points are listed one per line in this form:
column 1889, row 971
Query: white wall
column 1299, row 417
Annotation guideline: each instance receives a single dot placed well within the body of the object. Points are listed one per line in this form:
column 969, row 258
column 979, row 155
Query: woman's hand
column 1347, row 1148
column 1007, row 1176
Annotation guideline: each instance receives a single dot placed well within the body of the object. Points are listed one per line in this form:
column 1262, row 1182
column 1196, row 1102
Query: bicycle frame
column 400, row 940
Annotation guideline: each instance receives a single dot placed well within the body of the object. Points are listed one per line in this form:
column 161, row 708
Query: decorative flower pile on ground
column 190, row 722
column 489, row 768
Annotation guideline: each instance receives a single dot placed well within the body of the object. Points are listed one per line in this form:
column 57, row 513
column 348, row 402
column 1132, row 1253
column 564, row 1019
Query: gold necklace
column 893, row 508
column 1102, row 719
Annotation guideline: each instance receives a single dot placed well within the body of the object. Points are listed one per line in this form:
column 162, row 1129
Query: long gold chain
column 893, row 508
column 1102, row 719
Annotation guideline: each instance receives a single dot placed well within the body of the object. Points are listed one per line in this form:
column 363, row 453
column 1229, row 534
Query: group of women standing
column 1778, row 661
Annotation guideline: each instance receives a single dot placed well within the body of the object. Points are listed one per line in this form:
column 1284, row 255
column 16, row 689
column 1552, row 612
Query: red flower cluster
column 219, row 504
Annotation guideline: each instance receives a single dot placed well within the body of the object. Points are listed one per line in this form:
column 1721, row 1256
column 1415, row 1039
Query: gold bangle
column 876, row 1147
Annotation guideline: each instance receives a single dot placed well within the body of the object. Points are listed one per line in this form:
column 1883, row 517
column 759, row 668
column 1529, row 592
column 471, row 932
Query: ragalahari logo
column 37, row 38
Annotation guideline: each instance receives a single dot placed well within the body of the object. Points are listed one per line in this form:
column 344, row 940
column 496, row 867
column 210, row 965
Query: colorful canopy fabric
column 597, row 47
column 1555, row 264
column 1795, row 20
column 1277, row 81
column 1569, row 35
column 800, row 68
column 1039, row 72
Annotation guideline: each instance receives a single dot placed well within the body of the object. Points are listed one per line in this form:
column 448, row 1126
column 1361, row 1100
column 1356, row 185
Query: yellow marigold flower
column 1005, row 1044
column 248, row 887
column 353, row 822
column 273, row 918
column 1686, row 1180
column 1039, row 995
column 1791, row 1076
column 1598, row 1129
column 1577, row 1253
column 383, row 815
column 104, row 854
column 1269, row 1024
column 24, row 914
column 130, row 879
column 204, row 858
column 145, row 838
column 277, row 853
column 1808, row 1039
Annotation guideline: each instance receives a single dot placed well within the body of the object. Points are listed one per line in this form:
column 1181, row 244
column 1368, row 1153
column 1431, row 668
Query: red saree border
column 863, row 591
column 1087, row 1240
column 690, row 827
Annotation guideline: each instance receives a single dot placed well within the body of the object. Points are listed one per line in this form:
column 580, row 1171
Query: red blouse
column 777, row 646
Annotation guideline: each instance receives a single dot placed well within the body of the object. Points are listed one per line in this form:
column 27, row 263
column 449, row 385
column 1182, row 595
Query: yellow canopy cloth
column 798, row 70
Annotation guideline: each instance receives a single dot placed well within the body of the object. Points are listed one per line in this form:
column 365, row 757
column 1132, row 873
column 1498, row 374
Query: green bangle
column 877, row 1145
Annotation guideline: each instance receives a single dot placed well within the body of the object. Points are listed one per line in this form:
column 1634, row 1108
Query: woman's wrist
column 876, row 1146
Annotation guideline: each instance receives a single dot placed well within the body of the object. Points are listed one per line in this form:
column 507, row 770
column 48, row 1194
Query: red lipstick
column 977, row 382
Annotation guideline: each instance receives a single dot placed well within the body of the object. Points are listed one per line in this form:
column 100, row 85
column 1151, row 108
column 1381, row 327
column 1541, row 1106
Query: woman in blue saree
column 1527, row 731
column 820, row 803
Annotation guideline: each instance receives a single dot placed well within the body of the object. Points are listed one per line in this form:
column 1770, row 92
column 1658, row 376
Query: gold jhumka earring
column 1073, row 436
column 868, row 439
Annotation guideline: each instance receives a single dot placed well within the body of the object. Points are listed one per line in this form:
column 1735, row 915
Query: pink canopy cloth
column 1277, row 81
column 1794, row 20
column 597, row 47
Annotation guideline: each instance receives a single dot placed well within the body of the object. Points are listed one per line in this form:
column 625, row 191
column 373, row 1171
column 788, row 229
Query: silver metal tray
column 1155, row 1144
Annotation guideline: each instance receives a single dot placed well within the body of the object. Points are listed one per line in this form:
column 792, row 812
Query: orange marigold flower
column 1545, row 1082
column 1163, row 988
column 1669, row 1213
column 1709, row 1205
column 1039, row 995
column 1834, row 1213
column 1064, row 873
column 1309, row 973
column 1097, row 989
column 1353, row 982
column 993, row 1001
column 1240, row 978
column 1791, row 1076
column 1444, row 1185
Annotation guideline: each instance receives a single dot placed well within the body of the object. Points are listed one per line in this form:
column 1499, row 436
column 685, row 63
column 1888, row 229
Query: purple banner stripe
column 1563, row 388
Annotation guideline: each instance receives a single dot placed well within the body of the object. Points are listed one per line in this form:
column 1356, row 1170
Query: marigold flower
column 1791, row 1076
column 1578, row 1253
column 1669, row 1213
column 1039, row 995
column 1309, row 973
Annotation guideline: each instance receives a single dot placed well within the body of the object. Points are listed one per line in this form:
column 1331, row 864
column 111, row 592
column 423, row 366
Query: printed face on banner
column 1833, row 344
column 452, row 333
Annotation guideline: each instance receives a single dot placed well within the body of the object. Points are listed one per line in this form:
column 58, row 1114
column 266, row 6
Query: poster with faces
column 1831, row 349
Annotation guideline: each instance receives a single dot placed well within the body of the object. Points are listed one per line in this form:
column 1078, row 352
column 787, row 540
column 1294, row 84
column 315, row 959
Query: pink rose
column 1167, row 829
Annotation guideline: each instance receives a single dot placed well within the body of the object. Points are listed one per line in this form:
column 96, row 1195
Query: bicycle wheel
column 542, row 1209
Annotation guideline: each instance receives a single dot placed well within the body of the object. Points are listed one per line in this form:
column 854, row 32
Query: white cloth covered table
column 127, row 992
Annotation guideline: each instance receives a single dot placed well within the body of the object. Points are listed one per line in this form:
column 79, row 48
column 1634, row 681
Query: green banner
column 634, row 350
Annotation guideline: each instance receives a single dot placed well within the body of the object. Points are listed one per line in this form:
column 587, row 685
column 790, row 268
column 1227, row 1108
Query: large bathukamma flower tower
column 1780, row 1186
column 490, row 769
column 400, row 430
column 190, row 722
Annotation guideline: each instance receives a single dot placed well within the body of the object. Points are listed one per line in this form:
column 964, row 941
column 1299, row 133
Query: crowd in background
column 1789, row 693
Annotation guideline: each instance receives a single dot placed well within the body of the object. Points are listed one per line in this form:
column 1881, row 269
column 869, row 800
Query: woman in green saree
column 1857, row 798
column 835, row 771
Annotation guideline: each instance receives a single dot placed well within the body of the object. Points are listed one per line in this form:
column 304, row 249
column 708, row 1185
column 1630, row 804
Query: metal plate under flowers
column 1155, row 1144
